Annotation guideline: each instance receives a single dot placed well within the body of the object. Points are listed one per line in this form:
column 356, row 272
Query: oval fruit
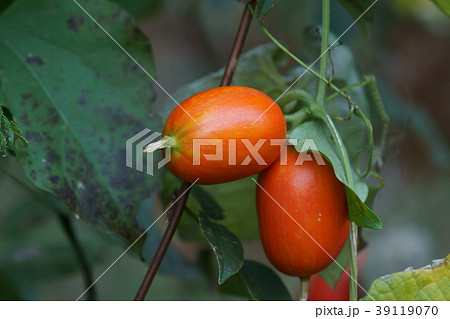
column 226, row 144
column 319, row 290
column 311, row 195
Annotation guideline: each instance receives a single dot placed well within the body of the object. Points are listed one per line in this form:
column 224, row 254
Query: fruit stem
column 165, row 142
column 304, row 283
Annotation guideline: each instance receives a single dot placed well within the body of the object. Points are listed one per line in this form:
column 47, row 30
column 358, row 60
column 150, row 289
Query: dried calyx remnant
column 165, row 142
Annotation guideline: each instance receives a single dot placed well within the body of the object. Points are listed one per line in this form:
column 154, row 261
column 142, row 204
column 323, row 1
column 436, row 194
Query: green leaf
column 8, row 131
column 333, row 272
column 429, row 283
column 140, row 8
column 6, row 134
column 208, row 204
column 78, row 98
column 237, row 200
column 262, row 282
column 264, row 6
column 359, row 213
column 226, row 246
column 317, row 132
column 444, row 5
column 353, row 132
column 356, row 8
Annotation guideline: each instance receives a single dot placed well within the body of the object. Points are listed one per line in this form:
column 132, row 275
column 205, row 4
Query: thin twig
column 237, row 45
column 81, row 257
column 175, row 216
column 177, row 210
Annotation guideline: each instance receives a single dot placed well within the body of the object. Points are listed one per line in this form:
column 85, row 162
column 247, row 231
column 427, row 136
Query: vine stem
column 320, row 111
column 346, row 88
column 321, row 77
column 353, row 227
column 67, row 225
column 180, row 205
column 323, row 48
column 239, row 40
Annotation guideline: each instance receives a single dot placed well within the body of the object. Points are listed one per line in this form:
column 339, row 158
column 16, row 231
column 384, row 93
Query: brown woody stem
column 237, row 45
column 180, row 205
column 177, row 210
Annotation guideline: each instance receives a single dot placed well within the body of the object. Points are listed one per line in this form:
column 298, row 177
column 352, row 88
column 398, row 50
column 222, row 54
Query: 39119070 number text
column 406, row 310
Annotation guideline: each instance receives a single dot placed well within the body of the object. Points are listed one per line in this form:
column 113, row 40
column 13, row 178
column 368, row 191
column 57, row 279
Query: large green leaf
column 317, row 132
column 78, row 98
column 356, row 8
column 226, row 246
column 444, row 5
column 429, row 283
column 262, row 282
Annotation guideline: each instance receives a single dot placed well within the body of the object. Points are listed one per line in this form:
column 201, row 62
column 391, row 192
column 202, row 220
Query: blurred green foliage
column 38, row 261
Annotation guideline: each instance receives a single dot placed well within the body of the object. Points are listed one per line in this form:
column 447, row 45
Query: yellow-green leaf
column 428, row 283
column 444, row 5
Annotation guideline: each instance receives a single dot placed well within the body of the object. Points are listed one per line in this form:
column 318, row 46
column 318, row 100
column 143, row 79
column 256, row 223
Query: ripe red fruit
column 312, row 195
column 225, row 117
column 319, row 290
